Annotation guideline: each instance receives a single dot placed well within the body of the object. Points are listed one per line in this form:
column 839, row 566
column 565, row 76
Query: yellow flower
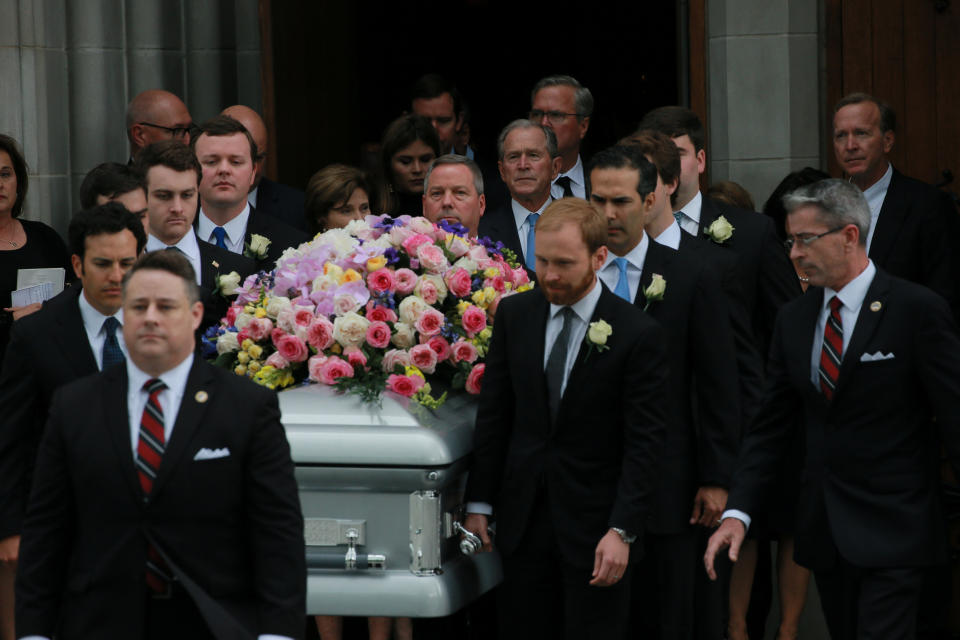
column 331, row 269
column 255, row 351
column 479, row 298
column 462, row 306
column 376, row 263
column 485, row 334
column 246, row 344
column 243, row 357
column 240, row 370
column 489, row 294
column 491, row 272
column 249, row 309
column 414, row 371
column 253, row 367
column 350, row 275
column 525, row 287
column 260, row 312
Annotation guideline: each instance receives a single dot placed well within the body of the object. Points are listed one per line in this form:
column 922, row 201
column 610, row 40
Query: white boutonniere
column 720, row 230
column 655, row 290
column 257, row 247
column 227, row 285
column 597, row 334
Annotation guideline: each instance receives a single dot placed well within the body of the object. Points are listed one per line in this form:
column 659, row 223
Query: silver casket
column 381, row 490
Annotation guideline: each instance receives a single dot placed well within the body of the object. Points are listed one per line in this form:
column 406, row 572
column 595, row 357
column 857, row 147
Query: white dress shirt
column 93, row 326
column 577, row 183
column 875, row 195
column 610, row 273
column 236, row 229
column 691, row 223
column 520, row 214
column 852, row 296
column 252, row 196
column 670, row 237
column 187, row 245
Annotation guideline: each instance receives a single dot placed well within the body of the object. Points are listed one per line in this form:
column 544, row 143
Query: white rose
column 468, row 264
column 356, row 226
column 599, row 332
column 325, row 283
column 227, row 343
column 421, row 225
column 259, row 244
column 656, row 288
column 243, row 319
column 720, row 230
column 277, row 304
column 286, row 320
column 350, row 330
column 228, row 284
column 404, row 335
column 411, row 308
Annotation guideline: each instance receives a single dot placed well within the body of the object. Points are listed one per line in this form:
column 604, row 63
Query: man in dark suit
column 266, row 196
column 913, row 226
column 564, row 105
column 73, row 335
column 529, row 161
column 172, row 176
column 226, row 152
column 703, row 410
column 568, row 438
column 167, row 508
column 769, row 279
column 869, row 361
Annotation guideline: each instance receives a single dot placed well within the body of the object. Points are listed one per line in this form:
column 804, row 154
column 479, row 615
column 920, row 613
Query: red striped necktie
column 150, row 448
column 832, row 353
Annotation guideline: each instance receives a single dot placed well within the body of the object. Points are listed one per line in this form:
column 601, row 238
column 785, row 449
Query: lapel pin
column 216, row 264
column 875, row 305
column 200, row 396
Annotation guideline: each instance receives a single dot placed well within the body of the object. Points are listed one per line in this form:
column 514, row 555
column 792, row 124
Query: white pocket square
column 212, row 454
column 873, row 357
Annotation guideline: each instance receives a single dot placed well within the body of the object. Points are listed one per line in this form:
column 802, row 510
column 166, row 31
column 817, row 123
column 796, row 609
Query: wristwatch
column 626, row 537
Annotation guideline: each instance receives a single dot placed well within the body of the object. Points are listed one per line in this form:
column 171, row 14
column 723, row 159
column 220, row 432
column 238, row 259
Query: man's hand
column 25, row 310
column 731, row 533
column 708, row 505
column 10, row 549
column 477, row 524
column 610, row 560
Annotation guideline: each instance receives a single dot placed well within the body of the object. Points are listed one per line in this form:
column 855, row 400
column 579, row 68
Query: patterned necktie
column 557, row 363
column 564, row 182
column 220, row 234
column 679, row 216
column 150, row 450
column 111, row 348
column 832, row 353
column 623, row 285
column 531, row 260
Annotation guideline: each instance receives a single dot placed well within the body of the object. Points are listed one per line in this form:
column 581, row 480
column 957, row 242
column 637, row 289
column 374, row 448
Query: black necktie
column 111, row 348
column 557, row 363
column 564, row 182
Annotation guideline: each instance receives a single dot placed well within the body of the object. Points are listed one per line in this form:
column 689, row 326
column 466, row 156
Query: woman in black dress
column 409, row 146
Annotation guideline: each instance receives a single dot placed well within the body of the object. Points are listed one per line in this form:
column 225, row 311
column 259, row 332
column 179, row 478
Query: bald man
column 267, row 196
column 155, row 115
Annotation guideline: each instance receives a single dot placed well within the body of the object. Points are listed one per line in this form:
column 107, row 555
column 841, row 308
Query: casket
column 381, row 489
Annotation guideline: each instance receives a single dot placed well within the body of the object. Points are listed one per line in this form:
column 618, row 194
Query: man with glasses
column 564, row 105
column 871, row 363
column 155, row 115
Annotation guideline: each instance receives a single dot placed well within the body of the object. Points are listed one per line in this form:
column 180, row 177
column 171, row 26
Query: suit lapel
column 601, row 312
column 708, row 213
column 72, row 338
column 893, row 213
column 867, row 322
column 208, row 271
column 117, row 423
column 192, row 408
column 657, row 261
column 803, row 326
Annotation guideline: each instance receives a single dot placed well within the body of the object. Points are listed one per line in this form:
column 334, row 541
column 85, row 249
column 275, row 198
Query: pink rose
column 303, row 317
column 292, row 348
column 314, row 365
column 243, row 334
column 496, row 282
column 378, row 334
column 475, row 379
column 427, row 290
column 380, row 313
column 411, row 244
column 320, row 333
column 432, row 258
column 275, row 336
column 259, row 328
column 393, row 358
column 355, row 357
column 232, row 314
column 520, row 277
column 474, row 320
column 464, row 351
column 406, row 281
column 430, row 322
column 404, row 385
column 381, row 281
column 458, row 281
column 477, row 252
column 333, row 368
column 277, row 361
column 400, row 233
column 423, row 358
column 440, row 346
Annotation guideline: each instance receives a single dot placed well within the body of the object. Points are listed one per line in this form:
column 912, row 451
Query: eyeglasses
column 176, row 132
column 807, row 239
column 554, row 117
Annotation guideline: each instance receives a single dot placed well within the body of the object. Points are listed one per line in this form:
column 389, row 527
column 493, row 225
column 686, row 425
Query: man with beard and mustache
column 568, row 438
column 453, row 191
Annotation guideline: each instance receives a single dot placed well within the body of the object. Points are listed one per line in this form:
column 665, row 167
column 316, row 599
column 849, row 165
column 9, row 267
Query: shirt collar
column 585, row 306
column 520, row 212
column 175, row 378
column 670, row 237
column 853, row 292
column 187, row 244
column 881, row 185
column 575, row 174
column 252, row 196
column 236, row 228
column 93, row 319
column 692, row 209
column 636, row 256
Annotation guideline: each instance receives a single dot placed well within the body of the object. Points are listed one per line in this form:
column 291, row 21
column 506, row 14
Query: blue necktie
column 623, row 285
column 531, row 239
column 111, row 348
column 679, row 215
column 220, row 234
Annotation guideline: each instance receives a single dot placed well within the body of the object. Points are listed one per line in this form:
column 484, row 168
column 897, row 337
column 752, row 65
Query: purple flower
column 454, row 227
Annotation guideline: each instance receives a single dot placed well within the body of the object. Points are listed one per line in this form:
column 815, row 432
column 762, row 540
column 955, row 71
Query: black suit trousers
column 544, row 597
column 663, row 587
column 870, row 604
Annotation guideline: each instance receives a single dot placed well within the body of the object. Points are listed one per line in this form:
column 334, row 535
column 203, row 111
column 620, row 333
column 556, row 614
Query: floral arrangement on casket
column 382, row 304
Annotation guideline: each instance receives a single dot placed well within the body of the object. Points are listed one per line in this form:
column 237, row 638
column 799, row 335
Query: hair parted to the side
column 625, row 157
column 109, row 179
column 173, row 262
column 675, row 122
column 839, row 203
column 329, row 187
column 107, row 218
column 578, row 212
column 582, row 98
column 224, row 126
column 172, row 154
column 450, row 159
column 522, row 123
column 888, row 117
